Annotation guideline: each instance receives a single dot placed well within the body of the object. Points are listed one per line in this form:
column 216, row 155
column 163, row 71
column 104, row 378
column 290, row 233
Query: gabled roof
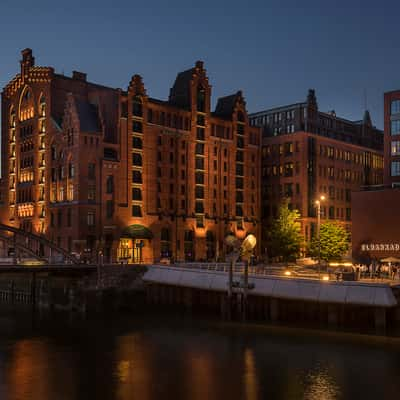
column 226, row 105
column 88, row 116
column 180, row 91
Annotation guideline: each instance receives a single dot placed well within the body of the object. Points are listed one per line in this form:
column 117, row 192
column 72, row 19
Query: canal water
column 170, row 357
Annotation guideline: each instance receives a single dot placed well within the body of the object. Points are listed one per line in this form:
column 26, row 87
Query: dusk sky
column 272, row 50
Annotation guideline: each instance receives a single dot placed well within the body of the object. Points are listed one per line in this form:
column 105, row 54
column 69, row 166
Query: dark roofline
column 87, row 82
column 268, row 110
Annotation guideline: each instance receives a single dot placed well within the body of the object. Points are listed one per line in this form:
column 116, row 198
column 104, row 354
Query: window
column 395, row 168
column 240, row 156
column 200, row 148
column 136, row 211
column 110, row 184
column 59, row 217
column 91, row 193
column 200, row 134
column 136, row 142
column 199, row 191
column 136, row 159
column 239, row 183
column 395, row 107
column 395, row 148
column 137, row 109
column 199, row 177
column 90, row 218
column 331, row 212
column 136, row 194
column 71, row 170
column 137, row 126
column 239, row 169
column 91, row 171
column 109, row 208
column 136, row 177
column 239, row 196
column 288, row 169
column 199, row 207
column 201, row 99
column 395, row 127
column 199, row 163
column 239, row 210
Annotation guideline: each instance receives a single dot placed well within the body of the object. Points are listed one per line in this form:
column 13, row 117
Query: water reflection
column 320, row 385
column 151, row 359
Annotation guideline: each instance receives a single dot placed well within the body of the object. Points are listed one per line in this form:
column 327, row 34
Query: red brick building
column 376, row 227
column 106, row 171
column 307, row 153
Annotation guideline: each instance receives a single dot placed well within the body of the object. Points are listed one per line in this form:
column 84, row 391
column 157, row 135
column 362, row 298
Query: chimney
column 79, row 76
column 27, row 61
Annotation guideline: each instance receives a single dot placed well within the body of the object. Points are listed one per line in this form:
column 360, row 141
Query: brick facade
column 106, row 171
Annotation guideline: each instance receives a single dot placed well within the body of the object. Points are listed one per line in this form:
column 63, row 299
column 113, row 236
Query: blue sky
column 272, row 50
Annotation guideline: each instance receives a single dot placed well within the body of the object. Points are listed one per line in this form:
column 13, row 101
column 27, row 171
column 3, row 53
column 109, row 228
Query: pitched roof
column 226, row 105
column 180, row 92
column 88, row 116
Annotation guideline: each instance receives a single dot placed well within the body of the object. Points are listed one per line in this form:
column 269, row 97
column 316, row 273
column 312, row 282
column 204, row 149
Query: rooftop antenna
column 365, row 99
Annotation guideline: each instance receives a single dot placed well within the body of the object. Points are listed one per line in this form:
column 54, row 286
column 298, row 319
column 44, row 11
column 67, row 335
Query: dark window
column 240, row 142
column 201, row 120
column 201, row 99
column 136, row 211
column 239, row 169
column 137, row 108
column 239, row 196
column 200, row 148
column 136, row 177
column 199, row 192
column 239, row 210
column 199, row 177
column 91, row 171
column 240, row 156
column 136, row 142
column 199, row 207
column 136, row 194
column 150, row 115
column 239, row 183
column 199, row 163
column 200, row 134
column 136, row 159
column 110, row 184
column 109, row 208
column 137, row 126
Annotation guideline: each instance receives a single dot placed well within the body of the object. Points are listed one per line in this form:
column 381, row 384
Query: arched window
column 26, row 105
column 42, row 106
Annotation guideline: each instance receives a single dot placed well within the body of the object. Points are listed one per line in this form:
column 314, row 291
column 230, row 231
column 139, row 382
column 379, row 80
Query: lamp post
column 318, row 204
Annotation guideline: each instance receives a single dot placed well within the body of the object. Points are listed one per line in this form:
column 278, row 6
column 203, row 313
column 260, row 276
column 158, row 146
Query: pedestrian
column 394, row 272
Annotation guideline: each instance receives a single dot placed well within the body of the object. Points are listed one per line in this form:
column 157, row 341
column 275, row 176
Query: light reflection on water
column 153, row 358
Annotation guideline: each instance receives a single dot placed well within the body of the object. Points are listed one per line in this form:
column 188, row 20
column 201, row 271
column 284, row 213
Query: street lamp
column 318, row 204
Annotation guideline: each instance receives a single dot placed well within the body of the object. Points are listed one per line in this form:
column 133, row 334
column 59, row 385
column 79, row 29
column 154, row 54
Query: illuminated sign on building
column 380, row 247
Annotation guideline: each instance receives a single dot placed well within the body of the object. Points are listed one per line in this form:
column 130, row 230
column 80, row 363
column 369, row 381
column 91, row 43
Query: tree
column 334, row 242
column 284, row 239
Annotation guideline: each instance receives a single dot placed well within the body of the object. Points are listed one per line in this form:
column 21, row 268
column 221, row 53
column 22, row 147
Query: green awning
column 137, row 231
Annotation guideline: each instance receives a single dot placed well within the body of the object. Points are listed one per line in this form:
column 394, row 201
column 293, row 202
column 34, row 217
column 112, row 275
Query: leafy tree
column 334, row 242
column 284, row 239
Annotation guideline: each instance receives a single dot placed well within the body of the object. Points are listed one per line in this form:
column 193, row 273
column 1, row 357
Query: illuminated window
column 395, row 148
